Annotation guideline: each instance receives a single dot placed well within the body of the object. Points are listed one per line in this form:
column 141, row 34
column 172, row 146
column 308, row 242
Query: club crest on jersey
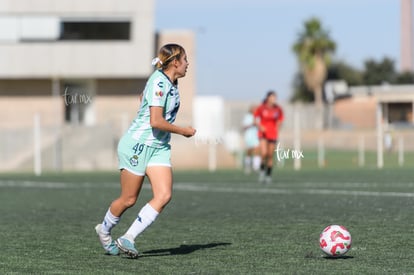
column 134, row 160
column 159, row 93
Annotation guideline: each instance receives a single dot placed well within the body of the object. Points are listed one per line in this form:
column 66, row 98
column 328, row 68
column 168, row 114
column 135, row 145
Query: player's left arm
column 281, row 118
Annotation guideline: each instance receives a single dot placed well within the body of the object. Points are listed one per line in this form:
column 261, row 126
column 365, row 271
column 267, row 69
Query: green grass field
column 217, row 223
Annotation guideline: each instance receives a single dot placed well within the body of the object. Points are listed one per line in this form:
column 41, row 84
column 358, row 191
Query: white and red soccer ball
column 335, row 240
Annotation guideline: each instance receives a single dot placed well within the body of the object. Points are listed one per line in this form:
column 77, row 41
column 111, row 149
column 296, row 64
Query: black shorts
column 274, row 141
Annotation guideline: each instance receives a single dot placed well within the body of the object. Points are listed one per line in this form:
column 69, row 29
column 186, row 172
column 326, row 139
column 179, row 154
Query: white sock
column 256, row 163
column 145, row 218
column 109, row 222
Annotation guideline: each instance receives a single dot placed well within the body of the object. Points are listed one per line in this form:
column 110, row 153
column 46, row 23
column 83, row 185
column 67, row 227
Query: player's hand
column 189, row 131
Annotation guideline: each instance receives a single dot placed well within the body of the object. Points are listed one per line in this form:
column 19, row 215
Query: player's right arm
column 156, row 98
column 158, row 121
column 281, row 117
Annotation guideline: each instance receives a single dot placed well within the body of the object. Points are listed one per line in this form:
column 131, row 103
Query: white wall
column 77, row 59
column 208, row 116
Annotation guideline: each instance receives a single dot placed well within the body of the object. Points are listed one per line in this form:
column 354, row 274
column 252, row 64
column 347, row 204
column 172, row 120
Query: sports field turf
column 217, row 223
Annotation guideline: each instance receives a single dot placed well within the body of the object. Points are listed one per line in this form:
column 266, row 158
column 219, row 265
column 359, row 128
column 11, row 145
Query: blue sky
column 244, row 46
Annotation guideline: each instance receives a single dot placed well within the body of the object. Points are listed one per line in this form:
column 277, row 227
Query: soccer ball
column 335, row 240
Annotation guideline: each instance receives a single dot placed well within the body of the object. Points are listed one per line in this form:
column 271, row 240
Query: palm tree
column 313, row 48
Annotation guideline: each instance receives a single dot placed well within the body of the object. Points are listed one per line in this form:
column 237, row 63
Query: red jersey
column 269, row 119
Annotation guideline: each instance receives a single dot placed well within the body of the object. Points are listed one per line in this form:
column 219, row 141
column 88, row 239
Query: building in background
column 359, row 110
column 67, row 59
column 78, row 67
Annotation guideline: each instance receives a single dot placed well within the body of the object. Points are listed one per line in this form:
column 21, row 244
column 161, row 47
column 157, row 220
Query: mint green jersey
column 160, row 92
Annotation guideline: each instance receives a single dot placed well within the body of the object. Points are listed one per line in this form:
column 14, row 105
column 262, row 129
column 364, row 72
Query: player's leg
column 256, row 158
column 130, row 187
column 160, row 176
column 252, row 143
column 248, row 160
column 263, row 155
column 269, row 164
column 161, row 182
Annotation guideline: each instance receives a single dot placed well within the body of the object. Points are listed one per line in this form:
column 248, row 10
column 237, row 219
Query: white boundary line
column 187, row 187
column 202, row 187
column 54, row 185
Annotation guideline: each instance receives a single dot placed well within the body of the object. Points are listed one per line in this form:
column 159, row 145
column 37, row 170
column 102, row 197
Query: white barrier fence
column 40, row 148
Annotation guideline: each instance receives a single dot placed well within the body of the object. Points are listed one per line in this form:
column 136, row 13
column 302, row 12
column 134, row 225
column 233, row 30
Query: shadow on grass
column 338, row 258
column 180, row 250
column 312, row 255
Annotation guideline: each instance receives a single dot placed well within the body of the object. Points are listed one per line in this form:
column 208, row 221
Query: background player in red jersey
column 269, row 116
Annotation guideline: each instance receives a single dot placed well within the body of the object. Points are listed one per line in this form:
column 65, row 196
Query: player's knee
column 163, row 197
column 166, row 198
column 129, row 201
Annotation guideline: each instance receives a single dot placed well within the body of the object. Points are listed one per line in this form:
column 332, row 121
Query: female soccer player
column 269, row 116
column 251, row 142
column 144, row 150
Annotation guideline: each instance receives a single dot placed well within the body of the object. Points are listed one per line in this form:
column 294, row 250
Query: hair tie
column 155, row 61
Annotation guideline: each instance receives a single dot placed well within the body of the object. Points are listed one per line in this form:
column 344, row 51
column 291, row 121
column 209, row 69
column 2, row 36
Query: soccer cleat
column 127, row 247
column 106, row 240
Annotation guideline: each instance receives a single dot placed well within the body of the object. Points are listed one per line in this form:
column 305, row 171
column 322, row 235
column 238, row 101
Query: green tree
column 378, row 72
column 340, row 70
column 313, row 48
column 405, row 78
column 300, row 90
column 337, row 70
